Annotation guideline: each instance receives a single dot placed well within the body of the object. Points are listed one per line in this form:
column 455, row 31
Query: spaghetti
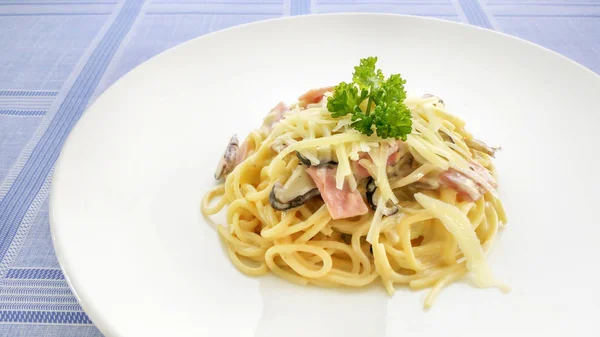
column 291, row 204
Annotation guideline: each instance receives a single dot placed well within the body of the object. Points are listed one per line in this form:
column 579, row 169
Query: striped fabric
column 59, row 55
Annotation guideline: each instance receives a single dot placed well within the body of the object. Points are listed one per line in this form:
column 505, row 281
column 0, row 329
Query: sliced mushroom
column 402, row 168
column 322, row 162
column 296, row 191
column 278, row 145
column 372, row 195
column 481, row 146
column 228, row 160
column 440, row 103
column 446, row 137
column 347, row 238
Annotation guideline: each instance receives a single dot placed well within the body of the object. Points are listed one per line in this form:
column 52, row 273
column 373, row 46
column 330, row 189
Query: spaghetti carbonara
column 359, row 182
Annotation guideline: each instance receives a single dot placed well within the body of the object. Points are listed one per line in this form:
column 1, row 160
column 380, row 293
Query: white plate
column 125, row 212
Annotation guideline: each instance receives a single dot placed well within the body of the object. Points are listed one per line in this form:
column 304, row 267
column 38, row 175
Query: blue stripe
column 380, row 3
column 27, row 93
column 21, row 194
column 219, row 2
column 210, row 13
column 35, row 274
column 475, row 14
column 44, row 284
column 35, row 290
column 299, row 7
column 41, row 299
column 26, row 306
column 557, row 4
column 58, row 3
column 54, row 14
column 549, row 15
column 14, row 112
column 47, row 317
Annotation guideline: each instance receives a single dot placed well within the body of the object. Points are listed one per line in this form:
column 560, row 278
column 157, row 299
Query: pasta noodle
column 436, row 208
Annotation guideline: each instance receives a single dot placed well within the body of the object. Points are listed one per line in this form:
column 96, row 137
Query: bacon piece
column 393, row 158
column 466, row 187
column 313, row 96
column 359, row 170
column 341, row 204
column 396, row 149
column 483, row 173
column 274, row 116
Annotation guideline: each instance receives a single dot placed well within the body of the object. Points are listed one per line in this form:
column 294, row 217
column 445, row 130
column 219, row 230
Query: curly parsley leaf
column 390, row 118
column 345, row 98
column 363, row 123
column 392, row 90
column 365, row 75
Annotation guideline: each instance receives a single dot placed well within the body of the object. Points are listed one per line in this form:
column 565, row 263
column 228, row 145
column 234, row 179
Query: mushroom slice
column 446, row 137
column 297, row 190
column 480, row 146
column 278, row 145
column 228, row 160
column 401, row 168
column 372, row 196
column 439, row 104
column 322, row 162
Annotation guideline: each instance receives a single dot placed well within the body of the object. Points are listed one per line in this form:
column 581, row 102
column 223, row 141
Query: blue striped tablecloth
column 57, row 56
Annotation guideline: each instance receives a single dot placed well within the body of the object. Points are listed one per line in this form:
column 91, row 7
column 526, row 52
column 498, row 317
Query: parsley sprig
column 385, row 112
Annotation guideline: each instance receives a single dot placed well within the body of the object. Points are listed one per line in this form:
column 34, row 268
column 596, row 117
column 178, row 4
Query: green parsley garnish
column 385, row 111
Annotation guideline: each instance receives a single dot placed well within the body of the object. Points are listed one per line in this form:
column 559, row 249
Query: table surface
column 59, row 55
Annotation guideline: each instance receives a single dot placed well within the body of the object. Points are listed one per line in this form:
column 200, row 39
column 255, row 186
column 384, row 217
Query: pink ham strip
column 361, row 172
column 483, row 173
column 393, row 158
column 468, row 188
column 342, row 203
column 274, row 116
column 313, row 96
